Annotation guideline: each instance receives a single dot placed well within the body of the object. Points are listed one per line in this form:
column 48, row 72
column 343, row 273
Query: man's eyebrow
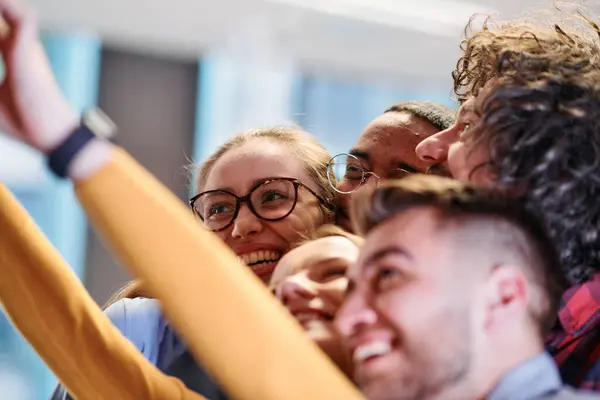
column 465, row 110
column 386, row 251
column 360, row 154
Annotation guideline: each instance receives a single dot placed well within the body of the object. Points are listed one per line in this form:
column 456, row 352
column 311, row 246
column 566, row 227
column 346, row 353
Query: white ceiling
column 327, row 35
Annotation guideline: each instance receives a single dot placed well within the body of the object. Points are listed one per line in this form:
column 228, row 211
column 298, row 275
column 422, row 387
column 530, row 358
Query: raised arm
column 54, row 312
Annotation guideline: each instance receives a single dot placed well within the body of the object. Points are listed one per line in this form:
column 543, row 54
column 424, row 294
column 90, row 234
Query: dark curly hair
column 548, row 49
column 540, row 124
column 542, row 133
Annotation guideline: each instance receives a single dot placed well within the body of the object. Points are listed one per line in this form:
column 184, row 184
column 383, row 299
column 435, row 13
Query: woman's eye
column 387, row 278
column 272, row 196
column 334, row 273
column 218, row 210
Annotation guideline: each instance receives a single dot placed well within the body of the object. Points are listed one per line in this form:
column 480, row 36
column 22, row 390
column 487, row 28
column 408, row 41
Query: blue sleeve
column 140, row 320
column 117, row 313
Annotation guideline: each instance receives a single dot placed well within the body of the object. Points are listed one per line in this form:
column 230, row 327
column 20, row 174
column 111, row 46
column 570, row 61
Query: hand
column 32, row 106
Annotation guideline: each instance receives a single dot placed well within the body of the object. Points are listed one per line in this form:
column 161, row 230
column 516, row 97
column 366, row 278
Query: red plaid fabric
column 575, row 341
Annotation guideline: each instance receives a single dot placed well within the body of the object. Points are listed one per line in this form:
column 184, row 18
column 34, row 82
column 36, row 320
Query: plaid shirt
column 575, row 341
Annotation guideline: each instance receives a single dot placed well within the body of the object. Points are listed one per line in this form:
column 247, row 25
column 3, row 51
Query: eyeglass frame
column 248, row 200
column 365, row 174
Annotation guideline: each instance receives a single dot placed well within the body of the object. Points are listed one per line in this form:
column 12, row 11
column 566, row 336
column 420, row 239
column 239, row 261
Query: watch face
column 100, row 124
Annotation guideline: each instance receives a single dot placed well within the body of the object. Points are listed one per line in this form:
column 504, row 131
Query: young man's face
column 453, row 149
column 407, row 318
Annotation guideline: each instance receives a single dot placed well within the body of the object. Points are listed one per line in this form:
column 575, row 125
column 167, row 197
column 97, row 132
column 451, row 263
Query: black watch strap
column 60, row 158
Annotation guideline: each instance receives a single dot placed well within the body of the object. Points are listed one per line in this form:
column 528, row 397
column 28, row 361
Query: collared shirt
column 535, row 378
column 575, row 341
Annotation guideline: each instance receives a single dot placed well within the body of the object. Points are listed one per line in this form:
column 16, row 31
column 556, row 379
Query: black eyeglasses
column 271, row 200
column 348, row 169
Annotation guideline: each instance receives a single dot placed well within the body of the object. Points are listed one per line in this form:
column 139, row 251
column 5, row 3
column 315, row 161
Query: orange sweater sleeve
column 230, row 322
column 52, row 309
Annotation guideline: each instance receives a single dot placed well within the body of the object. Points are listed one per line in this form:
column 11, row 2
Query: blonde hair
column 131, row 290
column 313, row 156
column 329, row 230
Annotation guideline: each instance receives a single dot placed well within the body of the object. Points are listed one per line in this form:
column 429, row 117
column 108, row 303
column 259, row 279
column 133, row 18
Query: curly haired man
column 529, row 124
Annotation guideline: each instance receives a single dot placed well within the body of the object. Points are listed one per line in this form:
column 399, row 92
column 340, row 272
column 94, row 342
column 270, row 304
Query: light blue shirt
column 536, row 378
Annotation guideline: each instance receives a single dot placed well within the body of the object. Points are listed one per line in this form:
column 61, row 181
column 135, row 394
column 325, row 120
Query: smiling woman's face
column 257, row 242
column 310, row 281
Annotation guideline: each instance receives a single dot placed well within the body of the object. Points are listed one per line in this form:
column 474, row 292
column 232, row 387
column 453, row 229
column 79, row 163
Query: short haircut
column 436, row 114
column 465, row 206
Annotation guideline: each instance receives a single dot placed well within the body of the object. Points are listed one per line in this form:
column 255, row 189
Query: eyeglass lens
column 270, row 201
column 347, row 170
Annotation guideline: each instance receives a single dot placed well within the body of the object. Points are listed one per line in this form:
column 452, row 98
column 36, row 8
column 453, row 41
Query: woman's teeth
column 259, row 257
column 374, row 349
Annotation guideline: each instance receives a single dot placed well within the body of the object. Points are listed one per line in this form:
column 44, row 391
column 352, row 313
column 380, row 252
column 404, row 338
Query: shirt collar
column 534, row 378
column 580, row 307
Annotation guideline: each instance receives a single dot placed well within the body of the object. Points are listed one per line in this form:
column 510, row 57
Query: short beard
column 410, row 388
column 433, row 372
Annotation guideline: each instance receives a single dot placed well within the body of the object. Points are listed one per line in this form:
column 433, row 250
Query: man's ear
column 506, row 295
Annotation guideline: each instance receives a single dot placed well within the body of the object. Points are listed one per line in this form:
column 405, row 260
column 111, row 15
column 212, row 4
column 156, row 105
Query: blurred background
column 179, row 77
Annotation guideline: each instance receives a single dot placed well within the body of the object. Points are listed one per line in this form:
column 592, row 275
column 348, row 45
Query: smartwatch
column 94, row 125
